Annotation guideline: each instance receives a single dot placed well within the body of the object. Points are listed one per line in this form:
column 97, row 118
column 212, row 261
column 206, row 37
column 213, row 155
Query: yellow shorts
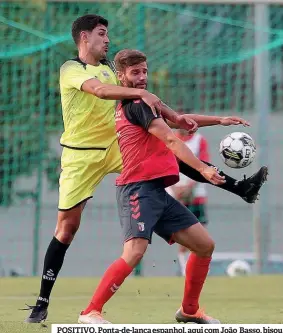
column 83, row 170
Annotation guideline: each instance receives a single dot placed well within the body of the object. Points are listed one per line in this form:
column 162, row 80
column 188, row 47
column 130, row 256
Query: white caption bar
column 167, row 328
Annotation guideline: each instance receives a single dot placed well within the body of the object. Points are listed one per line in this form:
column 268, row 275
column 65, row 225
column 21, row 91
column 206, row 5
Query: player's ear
column 120, row 76
column 84, row 36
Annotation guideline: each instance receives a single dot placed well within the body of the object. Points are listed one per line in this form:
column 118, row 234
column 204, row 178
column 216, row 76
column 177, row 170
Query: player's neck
column 88, row 58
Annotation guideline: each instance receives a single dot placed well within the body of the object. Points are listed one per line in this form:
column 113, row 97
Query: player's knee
column 133, row 258
column 206, row 249
column 134, row 251
column 66, row 230
column 65, row 236
column 137, row 255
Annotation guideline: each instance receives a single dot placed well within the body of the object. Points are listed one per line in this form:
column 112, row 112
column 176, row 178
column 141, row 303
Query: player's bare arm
column 162, row 131
column 203, row 121
column 113, row 92
column 175, row 120
column 190, row 124
column 183, row 121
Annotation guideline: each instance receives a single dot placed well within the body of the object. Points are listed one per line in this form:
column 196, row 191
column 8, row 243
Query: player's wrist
column 177, row 118
column 142, row 93
column 202, row 167
column 220, row 120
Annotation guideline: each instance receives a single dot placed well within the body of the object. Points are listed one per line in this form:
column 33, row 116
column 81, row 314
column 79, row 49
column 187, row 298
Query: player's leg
column 114, row 165
column 197, row 239
column 81, row 172
column 179, row 225
column 67, row 225
column 112, row 279
column 199, row 210
column 247, row 189
column 140, row 205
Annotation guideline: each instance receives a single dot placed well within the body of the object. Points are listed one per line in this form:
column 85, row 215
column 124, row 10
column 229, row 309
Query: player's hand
column 227, row 121
column 185, row 122
column 152, row 101
column 211, row 174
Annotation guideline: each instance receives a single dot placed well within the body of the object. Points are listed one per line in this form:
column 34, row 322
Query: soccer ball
column 238, row 268
column 237, row 150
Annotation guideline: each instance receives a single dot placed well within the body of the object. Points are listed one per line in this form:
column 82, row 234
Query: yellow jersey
column 88, row 120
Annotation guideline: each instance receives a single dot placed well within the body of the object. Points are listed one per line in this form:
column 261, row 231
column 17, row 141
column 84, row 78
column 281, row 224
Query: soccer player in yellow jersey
column 90, row 149
column 89, row 89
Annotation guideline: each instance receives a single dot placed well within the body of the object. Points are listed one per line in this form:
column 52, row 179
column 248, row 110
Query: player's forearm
column 170, row 115
column 171, row 124
column 113, row 92
column 183, row 152
column 203, row 121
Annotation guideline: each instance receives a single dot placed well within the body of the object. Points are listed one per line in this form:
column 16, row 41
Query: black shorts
column 145, row 207
column 200, row 213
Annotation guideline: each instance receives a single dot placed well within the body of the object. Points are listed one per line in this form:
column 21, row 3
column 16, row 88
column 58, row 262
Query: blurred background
column 208, row 57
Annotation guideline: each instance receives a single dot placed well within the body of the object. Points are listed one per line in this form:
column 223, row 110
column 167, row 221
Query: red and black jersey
column 145, row 157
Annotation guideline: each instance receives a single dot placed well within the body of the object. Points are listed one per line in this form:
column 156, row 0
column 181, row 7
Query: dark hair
column 86, row 23
column 126, row 58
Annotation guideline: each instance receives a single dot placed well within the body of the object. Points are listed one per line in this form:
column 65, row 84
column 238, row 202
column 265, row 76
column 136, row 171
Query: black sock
column 52, row 264
column 231, row 185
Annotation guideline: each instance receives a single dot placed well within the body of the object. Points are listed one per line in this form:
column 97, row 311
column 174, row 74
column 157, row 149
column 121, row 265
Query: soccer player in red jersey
column 148, row 147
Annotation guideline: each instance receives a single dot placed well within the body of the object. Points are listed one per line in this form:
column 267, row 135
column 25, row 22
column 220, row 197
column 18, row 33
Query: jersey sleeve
column 140, row 114
column 73, row 75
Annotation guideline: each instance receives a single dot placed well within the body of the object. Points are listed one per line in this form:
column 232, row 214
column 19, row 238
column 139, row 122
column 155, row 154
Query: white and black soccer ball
column 239, row 268
column 237, row 150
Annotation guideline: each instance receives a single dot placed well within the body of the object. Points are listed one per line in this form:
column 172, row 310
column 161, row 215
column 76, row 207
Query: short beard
column 128, row 84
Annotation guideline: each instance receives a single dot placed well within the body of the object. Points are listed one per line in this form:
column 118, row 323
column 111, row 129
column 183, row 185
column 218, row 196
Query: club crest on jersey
column 105, row 73
column 141, row 226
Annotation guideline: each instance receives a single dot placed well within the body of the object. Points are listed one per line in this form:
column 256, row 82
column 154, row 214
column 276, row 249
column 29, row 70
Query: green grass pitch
column 145, row 300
